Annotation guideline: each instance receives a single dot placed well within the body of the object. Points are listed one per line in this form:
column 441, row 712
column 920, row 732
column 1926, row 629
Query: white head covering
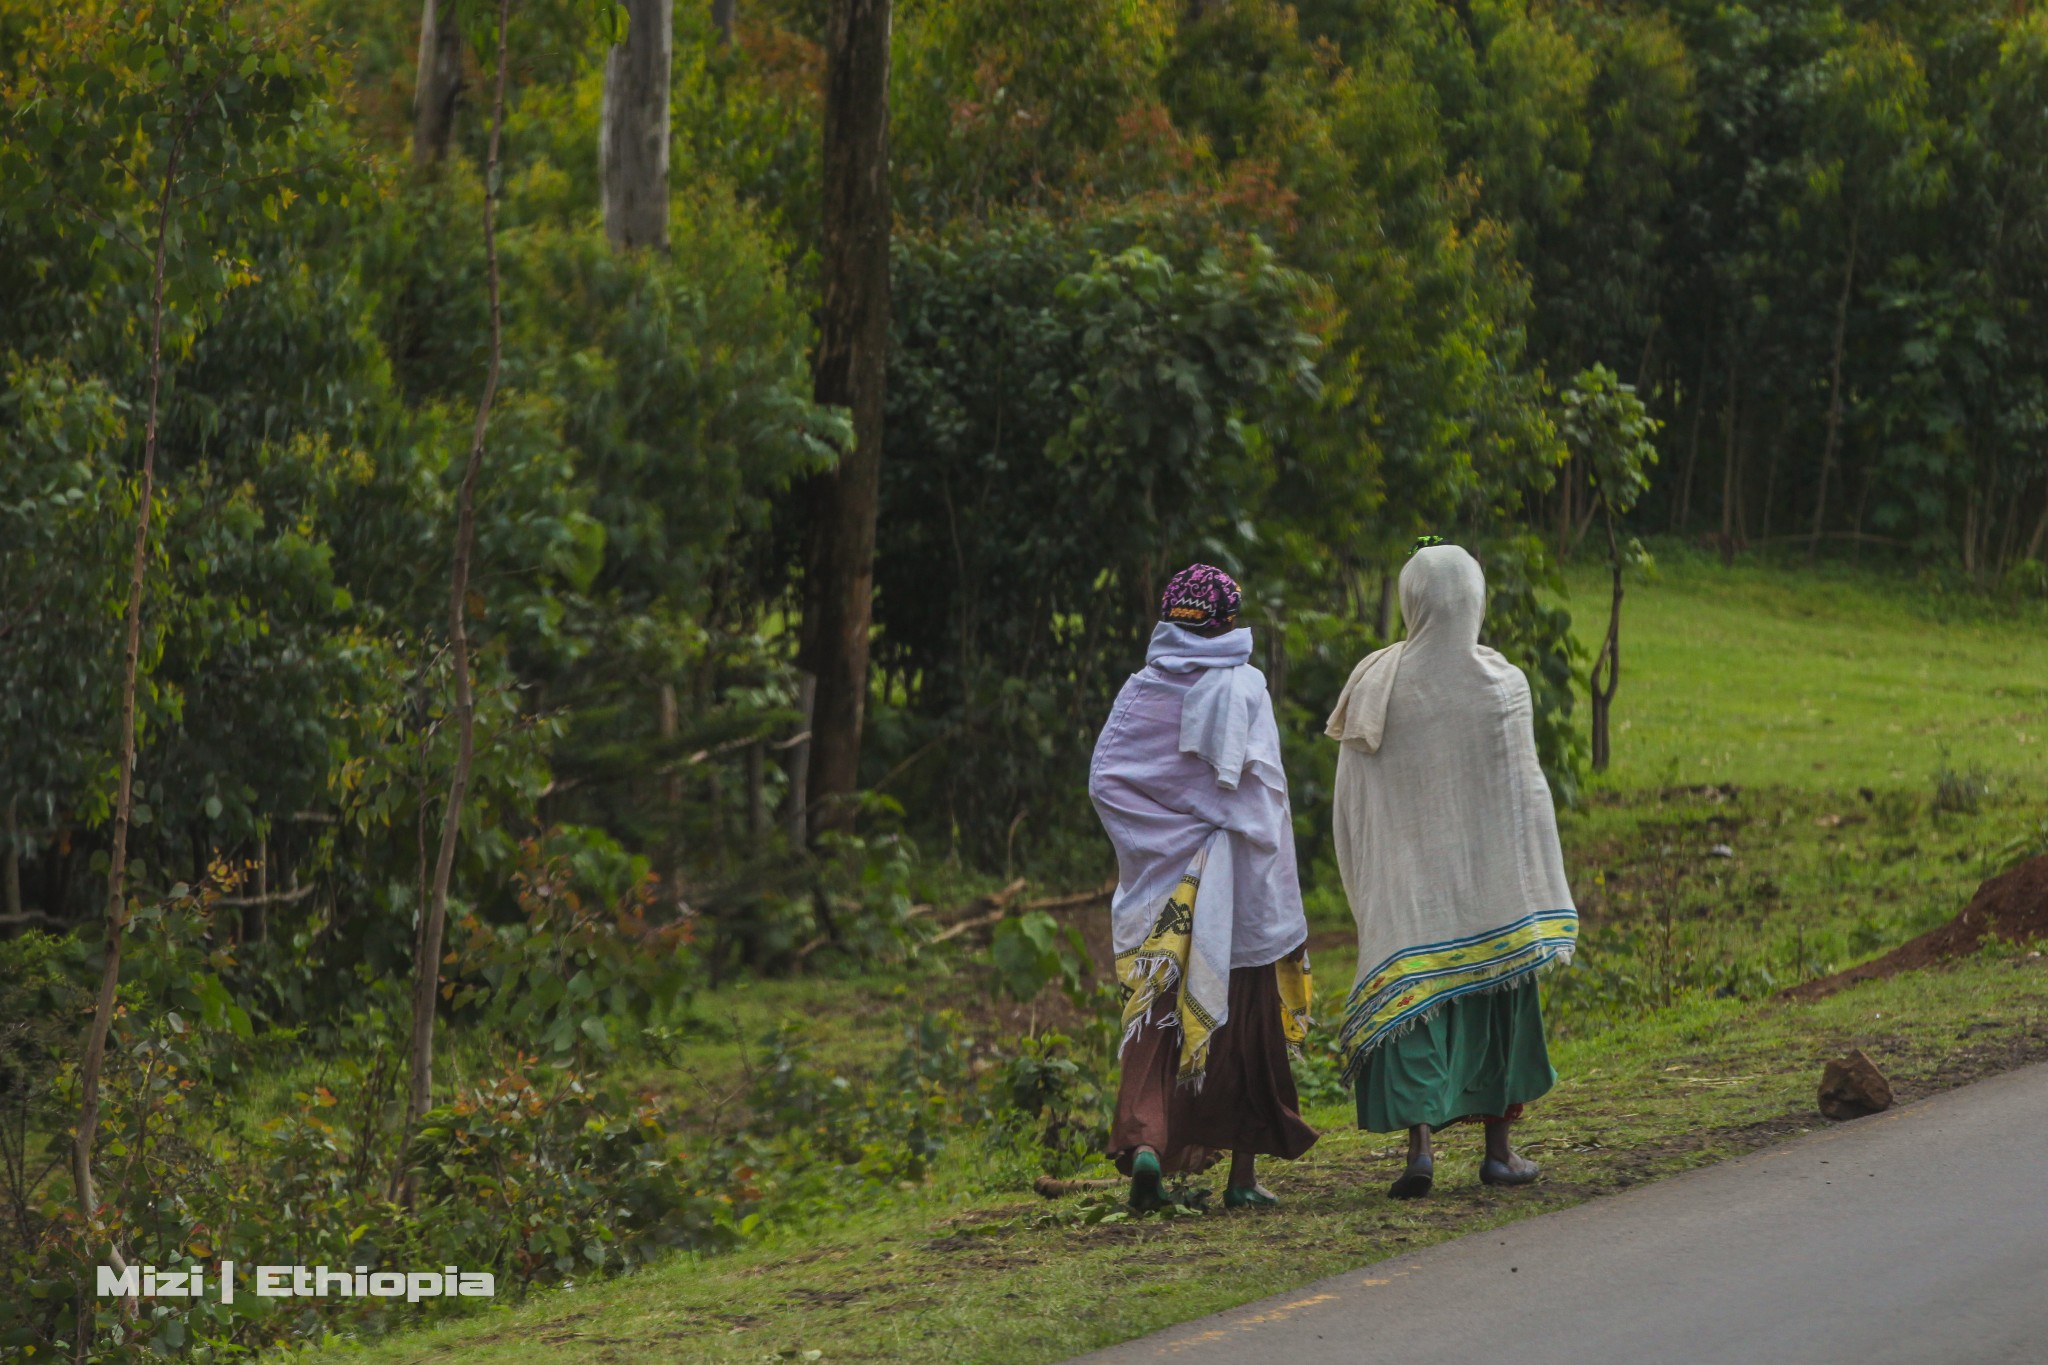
column 1222, row 719
column 1443, row 602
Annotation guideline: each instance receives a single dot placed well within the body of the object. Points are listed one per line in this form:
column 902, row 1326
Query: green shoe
column 1249, row 1197
column 1147, row 1193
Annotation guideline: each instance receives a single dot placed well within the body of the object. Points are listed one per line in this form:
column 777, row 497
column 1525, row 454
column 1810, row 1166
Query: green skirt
column 1477, row 1057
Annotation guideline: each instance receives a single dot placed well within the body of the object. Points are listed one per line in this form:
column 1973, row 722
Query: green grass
column 961, row 1273
column 1828, row 701
column 1756, row 676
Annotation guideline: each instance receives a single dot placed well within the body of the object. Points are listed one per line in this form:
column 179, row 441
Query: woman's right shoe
column 1415, row 1182
column 1148, row 1193
column 1493, row 1172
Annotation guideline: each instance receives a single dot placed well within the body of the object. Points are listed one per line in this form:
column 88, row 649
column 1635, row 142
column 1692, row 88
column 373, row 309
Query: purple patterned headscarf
column 1200, row 597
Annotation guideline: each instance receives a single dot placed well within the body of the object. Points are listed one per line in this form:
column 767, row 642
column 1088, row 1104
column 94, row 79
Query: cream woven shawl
column 1445, row 832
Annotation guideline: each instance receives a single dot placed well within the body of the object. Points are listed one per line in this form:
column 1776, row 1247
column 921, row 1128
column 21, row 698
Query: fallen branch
column 995, row 906
column 291, row 897
column 32, row 917
column 1048, row 1188
column 978, row 922
column 1076, row 900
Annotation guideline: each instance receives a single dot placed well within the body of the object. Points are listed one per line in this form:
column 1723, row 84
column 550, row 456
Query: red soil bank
column 2013, row 907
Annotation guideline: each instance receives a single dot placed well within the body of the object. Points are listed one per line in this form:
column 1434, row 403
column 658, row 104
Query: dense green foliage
column 1277, row 287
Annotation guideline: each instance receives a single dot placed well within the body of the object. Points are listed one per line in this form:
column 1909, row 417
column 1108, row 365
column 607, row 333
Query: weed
column 1959, row 792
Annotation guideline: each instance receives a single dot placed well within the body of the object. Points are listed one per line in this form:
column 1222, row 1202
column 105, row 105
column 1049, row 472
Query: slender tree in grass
column 634, row 134
column 426, row 989
column 850, row 371
column 1610, row 432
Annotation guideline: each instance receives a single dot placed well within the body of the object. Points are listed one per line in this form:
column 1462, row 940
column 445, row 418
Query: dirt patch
column 2013, row 906
column 1331, row 943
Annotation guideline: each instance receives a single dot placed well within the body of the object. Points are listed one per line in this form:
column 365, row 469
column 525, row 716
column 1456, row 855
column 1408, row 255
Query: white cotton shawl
column 1188, row 762
column 1446, row 835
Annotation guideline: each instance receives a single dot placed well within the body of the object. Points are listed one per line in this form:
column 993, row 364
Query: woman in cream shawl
column 1207, row 919
column 1447, row 842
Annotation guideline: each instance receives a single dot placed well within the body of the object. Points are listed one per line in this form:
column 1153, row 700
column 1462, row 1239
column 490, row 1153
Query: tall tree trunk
column 1276, row 663
column 1863, row 507
column 633, row 136
column 2040, row 536
column 799, row 812
column 1602, row 687
column 10, row 867
column 426, row 988
column 1682, row 514
column 117, row 914
column 723, row 18
column 2011, row 535
column 437, row 88
column 851, row 371
column 757, row 797
column 1970, row 533
column 1731, row 484
column 1827, row 452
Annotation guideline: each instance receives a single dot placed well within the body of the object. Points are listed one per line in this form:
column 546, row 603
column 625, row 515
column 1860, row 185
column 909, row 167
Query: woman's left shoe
column 1493, row 1172
column 1249, row 1197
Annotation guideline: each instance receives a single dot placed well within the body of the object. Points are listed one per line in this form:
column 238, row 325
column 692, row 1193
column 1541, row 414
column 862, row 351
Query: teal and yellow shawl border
column 1412, row 983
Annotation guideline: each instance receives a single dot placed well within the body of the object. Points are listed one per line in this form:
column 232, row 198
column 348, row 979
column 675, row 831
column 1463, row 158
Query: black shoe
column 1416, row 1181
column 1493, row 1172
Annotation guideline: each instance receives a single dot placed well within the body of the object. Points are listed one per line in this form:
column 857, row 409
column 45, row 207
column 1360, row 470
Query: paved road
column 1916, row 1237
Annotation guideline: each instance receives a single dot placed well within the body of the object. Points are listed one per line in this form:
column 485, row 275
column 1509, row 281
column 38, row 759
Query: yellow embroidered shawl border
column 1409, row 985
column 1156, row 966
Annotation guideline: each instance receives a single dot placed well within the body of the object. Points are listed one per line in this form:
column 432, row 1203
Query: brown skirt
column 1247, row 1103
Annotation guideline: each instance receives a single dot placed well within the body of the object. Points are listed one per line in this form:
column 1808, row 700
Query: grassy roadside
column 956, row 1273
column 1774, row 813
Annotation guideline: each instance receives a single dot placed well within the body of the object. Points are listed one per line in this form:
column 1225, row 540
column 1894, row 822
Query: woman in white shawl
column 1207, row 919
column 1447, row 842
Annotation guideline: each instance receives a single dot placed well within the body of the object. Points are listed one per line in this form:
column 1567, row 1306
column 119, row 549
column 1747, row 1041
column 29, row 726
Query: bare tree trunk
column 800, row 762
column 1276, row 663
column 2011, row 536
column 851, row 371
column 2040, row 536
column 1386, row 617
column 1730, row 483
column 757, row 798
column 1681, row 520
column 10, row 872
column 723, row 18
column 633, row 136
column 1970, row 534
column 437, row 89
column 426, row 989
column 1827, row 452
column 117, row 914
column 1602, row 689
column 667, row 725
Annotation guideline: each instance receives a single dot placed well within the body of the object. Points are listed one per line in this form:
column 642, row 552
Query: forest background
column 1276, row 287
